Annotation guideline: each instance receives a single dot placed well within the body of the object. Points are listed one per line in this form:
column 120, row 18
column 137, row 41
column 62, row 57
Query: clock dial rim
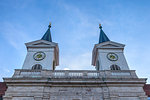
column 116, row 56
column 41, row 58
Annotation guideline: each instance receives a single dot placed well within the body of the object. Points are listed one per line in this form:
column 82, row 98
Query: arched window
column 37, row 67
column 115, row 67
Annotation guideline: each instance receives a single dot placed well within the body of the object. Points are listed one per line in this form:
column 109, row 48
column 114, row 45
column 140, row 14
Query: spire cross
column 49, row 25
column 100, row 26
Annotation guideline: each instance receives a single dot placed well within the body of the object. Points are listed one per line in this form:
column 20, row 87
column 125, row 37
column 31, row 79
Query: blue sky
column 75, row 28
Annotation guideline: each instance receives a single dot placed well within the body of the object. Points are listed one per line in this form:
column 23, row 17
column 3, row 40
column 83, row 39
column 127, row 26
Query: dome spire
column 103, row 37
column 47, row 35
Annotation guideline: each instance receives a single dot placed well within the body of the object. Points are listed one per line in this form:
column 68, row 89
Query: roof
column 103, row 37
column 147, row 89
column 3, row 88
column 47, row 35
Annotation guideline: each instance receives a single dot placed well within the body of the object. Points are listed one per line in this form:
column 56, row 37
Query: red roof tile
column 147, row 89
column 3, row 88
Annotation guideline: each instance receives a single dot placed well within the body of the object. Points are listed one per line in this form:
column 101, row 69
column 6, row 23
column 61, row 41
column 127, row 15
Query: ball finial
column 49, row 25
column 100, row 26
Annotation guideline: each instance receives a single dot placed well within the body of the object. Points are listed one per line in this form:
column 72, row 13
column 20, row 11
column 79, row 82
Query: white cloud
column 15, row 36
column 66, row 69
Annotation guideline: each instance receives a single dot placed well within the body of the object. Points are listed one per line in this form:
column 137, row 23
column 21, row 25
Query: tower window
column 115, row 67
column 37, row 67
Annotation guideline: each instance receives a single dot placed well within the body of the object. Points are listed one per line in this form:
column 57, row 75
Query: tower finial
column 47, row 35
column 49, row 25
column 103, row 37
column 100, row 26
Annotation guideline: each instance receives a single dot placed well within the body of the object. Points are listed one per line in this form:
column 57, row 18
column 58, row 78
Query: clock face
column 112, row 56
column 39, row 56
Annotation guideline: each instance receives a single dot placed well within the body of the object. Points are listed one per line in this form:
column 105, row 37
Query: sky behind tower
column 75, row 28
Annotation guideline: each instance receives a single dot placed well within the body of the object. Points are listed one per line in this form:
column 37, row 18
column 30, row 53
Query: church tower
column 38, row 79
column 108, row 55
column 42, row 54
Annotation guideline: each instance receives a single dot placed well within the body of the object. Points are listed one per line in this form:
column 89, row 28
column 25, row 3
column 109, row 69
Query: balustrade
column 72, row 73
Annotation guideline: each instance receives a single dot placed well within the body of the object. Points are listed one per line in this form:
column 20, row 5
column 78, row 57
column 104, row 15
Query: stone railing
column 74, row 73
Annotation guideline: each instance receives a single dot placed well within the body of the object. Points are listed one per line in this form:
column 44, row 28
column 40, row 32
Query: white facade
column 50, row 51
column 46, row 63
column 100, row 55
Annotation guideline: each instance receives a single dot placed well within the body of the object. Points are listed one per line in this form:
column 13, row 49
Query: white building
column 38, row 79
